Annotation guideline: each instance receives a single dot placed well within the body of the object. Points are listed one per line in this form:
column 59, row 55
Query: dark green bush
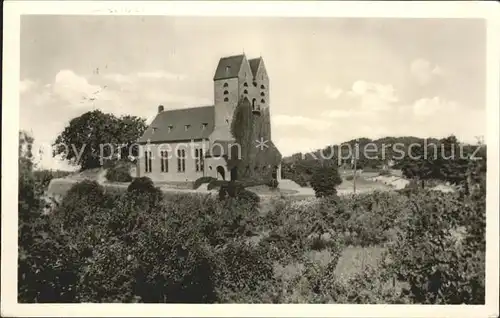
column 119, row 173
column 301, row 180
column 325, row 180
column 236, row 190
column 142, row 184
column 203, row 180
column 215, row 184
column 144, row 191
column 441, row 250
column 242, row 271
column 81, row 201
column 349, row 177
column 273, row 184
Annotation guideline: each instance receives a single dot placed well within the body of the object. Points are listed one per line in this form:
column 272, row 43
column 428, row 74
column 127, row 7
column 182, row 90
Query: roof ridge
column 202, row 120
column 187, row 108
column 232, row 56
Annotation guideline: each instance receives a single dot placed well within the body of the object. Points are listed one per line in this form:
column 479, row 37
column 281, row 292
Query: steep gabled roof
column 228, row 67
column 195, row 117
column 254, row 65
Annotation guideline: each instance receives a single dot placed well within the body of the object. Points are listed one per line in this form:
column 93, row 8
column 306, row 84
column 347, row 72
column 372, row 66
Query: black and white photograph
column 224, row 158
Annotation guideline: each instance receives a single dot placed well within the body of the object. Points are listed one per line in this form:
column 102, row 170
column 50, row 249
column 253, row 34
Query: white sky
column 331, row 79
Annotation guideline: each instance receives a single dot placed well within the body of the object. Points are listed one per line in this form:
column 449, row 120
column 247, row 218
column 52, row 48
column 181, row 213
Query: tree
column 28, row 195
column 256, row 162
column 86, row 136
column 449, row 161
column 325, row 180
column 419, row 163
column 25, row 151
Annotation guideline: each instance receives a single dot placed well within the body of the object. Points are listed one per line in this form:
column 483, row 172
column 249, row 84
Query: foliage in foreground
column 119, row 172
column 325, row 181
column 143, row 246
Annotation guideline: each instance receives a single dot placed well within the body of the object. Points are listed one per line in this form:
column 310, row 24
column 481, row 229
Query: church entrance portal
column 221, row 173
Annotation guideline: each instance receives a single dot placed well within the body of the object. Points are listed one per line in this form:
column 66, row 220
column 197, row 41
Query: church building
column 189, row 143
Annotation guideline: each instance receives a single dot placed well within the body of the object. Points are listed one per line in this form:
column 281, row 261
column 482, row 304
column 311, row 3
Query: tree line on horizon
column 446, row 159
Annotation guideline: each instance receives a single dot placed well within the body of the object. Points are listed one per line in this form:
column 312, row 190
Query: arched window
column 254, row 84
column 226, row 99
column 225, row 85
column 246, row 85
column 253, row 103
column 262, row 101
column 245, row 92
column 262, row 94
column 226, row 92
column 262, row 86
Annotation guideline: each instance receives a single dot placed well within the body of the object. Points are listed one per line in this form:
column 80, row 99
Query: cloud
column 373, row 97
column 26, row 85
column 46, row 108
column 337, row 113
column 76, row 91
column 384, row 92
column 433, row 106
column 332, row 93
column 424, row 72
column 441, row 117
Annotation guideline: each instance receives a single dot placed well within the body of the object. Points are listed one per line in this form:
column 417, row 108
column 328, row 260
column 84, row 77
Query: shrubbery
column 236, row 190
column 203, row 180
column 119, row 173
column 139, row 245
column 325, row 180
column 100, row 247
column 273, row 184
column 447, row 239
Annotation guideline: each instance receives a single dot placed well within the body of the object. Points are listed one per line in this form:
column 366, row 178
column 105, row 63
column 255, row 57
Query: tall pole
column 355, row 159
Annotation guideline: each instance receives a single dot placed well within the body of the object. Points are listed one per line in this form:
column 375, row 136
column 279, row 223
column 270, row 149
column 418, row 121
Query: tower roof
column 254, row 65
column 228, row 67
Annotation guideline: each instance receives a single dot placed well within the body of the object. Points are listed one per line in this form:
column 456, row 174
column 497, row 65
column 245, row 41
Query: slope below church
column 230, row 140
